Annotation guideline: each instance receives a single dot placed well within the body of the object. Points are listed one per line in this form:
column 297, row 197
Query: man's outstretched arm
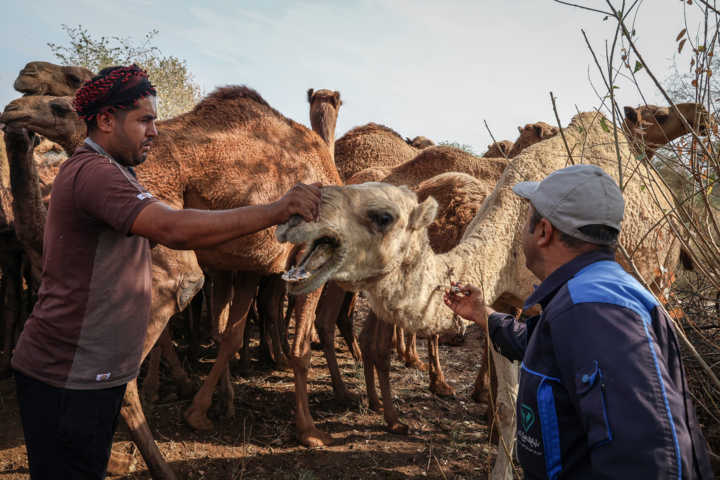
column 196, row 229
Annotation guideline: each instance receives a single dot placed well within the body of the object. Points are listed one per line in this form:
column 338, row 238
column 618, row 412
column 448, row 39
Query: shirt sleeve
column 617, row 379
column 106, row 194
column 508, row 335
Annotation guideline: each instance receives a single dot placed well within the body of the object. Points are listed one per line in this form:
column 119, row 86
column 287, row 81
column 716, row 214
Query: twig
column 562, row 133
column 584, row 8
column 510, row 162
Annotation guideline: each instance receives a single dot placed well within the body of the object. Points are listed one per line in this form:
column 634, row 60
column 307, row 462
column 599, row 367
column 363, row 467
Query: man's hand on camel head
column 470, row 307
column 303, row 200
column 20, row 138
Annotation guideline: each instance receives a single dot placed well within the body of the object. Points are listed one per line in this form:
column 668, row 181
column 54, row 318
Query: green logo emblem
column 527, row 416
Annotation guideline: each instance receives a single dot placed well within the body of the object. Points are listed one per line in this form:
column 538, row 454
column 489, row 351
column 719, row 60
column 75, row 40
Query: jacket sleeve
column 617, row 379
column 508, row 335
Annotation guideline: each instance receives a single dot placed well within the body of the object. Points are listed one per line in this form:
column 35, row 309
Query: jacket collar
column 544, row 293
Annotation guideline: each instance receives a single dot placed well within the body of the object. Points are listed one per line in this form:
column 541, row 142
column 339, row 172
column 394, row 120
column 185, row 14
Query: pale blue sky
column 428, row 68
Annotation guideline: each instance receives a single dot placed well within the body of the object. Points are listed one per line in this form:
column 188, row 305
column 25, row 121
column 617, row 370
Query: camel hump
column 371, row 128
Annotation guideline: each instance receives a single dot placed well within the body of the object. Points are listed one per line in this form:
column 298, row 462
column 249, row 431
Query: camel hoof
column 121, row 464
column 221, row 409
column 398, row 429
column 197, row 419
column 417, row 365
column 315, row 438
column 150, row 397
column 375, row 405
column 479, row 396
column 346, row 399
column 283, row 365
column 186, row 388
column 442, row 390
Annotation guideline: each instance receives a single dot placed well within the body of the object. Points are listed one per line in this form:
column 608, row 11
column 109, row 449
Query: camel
column 499, row 149
column 420, row 142
column 370, row 145
column 373, row 238
column 531, row 134
column 656, row 126
column 44, row 78
column 324, row 108
column 261, row 142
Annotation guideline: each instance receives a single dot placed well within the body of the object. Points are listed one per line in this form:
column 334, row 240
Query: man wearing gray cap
column 602, row 389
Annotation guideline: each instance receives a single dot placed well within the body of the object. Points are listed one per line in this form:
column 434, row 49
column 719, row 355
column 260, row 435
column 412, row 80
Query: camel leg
column 270, row 310
column 178, row 375
column 220, row 295
column 366, row 348
column 480, row 389
column 151, row 384
column 344, row 323
column 438, row 386
column 400, row 347
column 328, row 310
column 224, row 408
column 308, row 434
column 265, row 358
column 382, row 351
column 245, row 288
column 245, row 360
column 140, row 432
column 12, row 286
column 121, row 464
column 195, row 317
column 507, row 373
column 412, row 359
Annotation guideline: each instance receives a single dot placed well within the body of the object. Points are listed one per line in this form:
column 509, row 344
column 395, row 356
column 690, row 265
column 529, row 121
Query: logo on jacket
column 526, row 416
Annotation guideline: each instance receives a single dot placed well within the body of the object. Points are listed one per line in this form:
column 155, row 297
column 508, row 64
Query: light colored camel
column 44, row 78
column 373, row 238
column 370, row 145
column 499, row 149
column 252, row 154
column 420, row 142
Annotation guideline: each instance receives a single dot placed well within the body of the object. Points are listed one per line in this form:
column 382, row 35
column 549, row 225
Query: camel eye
column 661, row 119
column 384, row 220
column 59, row 109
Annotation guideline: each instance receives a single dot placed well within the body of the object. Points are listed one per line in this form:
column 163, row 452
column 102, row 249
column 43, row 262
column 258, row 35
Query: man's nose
column 152, row 131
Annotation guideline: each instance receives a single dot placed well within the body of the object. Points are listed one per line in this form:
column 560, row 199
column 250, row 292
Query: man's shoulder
column 606, row 283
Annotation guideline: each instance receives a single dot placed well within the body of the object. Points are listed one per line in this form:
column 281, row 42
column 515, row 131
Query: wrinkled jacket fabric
column 602, row 391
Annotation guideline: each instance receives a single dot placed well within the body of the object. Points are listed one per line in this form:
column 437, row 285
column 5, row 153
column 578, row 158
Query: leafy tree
column 464, row 147
column 177, row 90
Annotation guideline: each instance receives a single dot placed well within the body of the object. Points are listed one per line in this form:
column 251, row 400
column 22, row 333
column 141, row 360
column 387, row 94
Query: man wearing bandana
column 83, row 341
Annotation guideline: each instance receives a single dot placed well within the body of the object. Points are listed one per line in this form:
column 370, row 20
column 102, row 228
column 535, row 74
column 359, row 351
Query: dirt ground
column 448, row 438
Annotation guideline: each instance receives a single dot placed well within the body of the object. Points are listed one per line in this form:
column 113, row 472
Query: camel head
column 657, row 126
column 420, row 143
column 43, row 78
column 324, row 108
column 365, row 232
column 51, row 117
column 531, row 134
column 499, row 149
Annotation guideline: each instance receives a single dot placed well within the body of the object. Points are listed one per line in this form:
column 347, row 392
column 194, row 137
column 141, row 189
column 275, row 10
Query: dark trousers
column 68, row 433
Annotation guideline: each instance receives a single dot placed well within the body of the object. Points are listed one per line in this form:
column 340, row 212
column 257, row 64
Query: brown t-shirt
column 88, row 327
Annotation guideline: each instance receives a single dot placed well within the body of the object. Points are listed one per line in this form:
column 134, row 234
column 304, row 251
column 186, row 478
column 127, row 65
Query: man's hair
column 600, row 233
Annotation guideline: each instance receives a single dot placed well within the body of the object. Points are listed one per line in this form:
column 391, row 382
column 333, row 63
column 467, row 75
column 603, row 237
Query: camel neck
column 28, row 208
column 323, row 123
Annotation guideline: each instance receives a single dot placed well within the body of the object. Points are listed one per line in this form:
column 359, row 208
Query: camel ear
column 336, row 100
column 520, row 129
column 631, row 114
column 310, row 95
column 554, row 130
column 423, row 215
column 538, row 131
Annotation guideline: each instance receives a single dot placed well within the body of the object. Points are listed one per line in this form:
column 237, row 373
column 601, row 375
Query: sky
column 434, row 68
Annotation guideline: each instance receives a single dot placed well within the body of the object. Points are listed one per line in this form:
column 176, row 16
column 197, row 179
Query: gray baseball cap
column 574, row 197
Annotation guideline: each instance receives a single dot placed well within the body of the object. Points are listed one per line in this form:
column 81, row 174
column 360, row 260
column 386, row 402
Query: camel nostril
column 29, row 73
column 11, row 107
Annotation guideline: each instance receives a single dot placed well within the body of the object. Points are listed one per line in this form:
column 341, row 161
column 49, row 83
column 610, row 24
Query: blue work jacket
column 602, row 392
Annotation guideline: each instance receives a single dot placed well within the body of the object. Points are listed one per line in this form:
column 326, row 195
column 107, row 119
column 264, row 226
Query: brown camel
column 499, row 149
column 324, row 108
column 263, row 156
column 370, row 145
column 420, row 142
column 43, row 78
column 656, row 126
column 391, row 260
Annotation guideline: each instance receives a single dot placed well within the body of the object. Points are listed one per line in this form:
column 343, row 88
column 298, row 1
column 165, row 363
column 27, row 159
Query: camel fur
column 499, row 149
column 370, row 145
column 420, row 142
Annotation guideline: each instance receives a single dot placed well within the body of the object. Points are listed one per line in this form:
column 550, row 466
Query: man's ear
column 423, row 215
column 105, row 122
column 546, row 231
